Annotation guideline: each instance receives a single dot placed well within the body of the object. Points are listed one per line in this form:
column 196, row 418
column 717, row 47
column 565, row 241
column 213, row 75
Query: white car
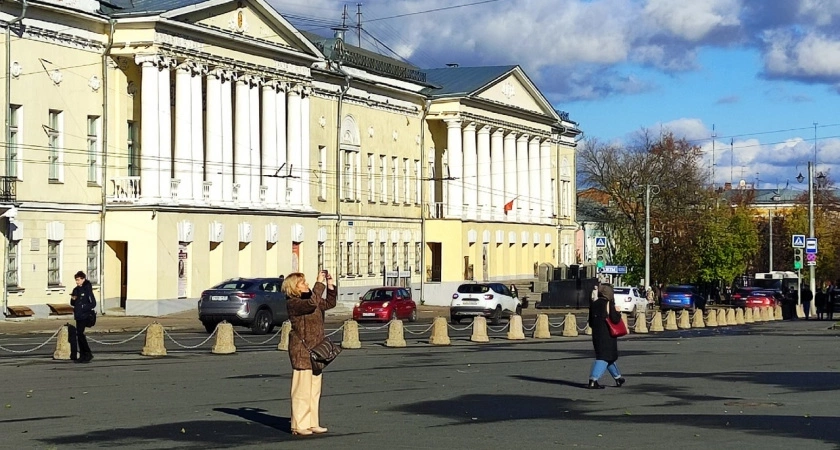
column 629, row 300
column 491, row 300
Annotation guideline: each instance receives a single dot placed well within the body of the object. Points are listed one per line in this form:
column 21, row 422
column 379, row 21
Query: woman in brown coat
column 306, row 312
column 606, row 346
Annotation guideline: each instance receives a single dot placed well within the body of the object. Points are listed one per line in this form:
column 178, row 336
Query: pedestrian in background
column 819, row 300
column 831, row 299
column 306, row 312
column 807, row 296
column 606, row 346
column 84, row 312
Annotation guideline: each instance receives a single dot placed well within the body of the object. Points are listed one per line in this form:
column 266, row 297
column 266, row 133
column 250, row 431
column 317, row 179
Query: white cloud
column 693, row 21
column 811, row 55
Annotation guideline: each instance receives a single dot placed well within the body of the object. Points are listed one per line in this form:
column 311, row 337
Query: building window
column 394, row 180
column 417, row 181
column 54, row 135
column 382, row 257
column 93, row 261
column 357, row 256
column 370, row 258
column 15, row 138
column 93, row 149
column 322, row 174
column 371, row 193
column 383, row 179
column 418, row 253
column 406, row 181
column 53, row 263
column 340, row 261
column 348, row 175
column 394, row 261
column 406, row 247
column 131, row 146
column 321, row 255
column 13, row 265
column 349, row 256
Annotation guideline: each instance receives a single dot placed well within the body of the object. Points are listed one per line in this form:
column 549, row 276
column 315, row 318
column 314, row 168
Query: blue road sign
column 798, row 241
column 811, row 245
column 621, row 269
column 600, row 242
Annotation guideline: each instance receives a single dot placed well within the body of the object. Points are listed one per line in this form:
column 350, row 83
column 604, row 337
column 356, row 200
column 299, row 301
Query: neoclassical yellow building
column 165, row 146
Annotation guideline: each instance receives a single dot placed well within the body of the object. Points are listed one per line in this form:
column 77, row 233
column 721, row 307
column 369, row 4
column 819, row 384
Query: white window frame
column 406, row 181
column 394, row 179
column 57, row 256
column 382, row 256
column 14, row 161
column 55, row 139
column 418, row 252
column 13, row 264
column 322, row 173
column 383, row 178
column 370, row 169
column 132, row 150
column 370, row 258
column 406, row 250
column 92, row 261
column 394, row 256
column 321, row 254
column 94, row 131
column 349, row 258
column 417, row 181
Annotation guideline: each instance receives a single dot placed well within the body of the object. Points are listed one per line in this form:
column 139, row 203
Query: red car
column 386, row 304
column 755, row 297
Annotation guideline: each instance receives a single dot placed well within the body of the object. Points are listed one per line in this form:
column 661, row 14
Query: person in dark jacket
column 807, row 296
column 84, row 312
column 306, row 312
column 820, row 300
column 606, row 346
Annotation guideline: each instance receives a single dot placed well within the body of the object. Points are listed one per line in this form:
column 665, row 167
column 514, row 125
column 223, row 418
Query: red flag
column 509, row 206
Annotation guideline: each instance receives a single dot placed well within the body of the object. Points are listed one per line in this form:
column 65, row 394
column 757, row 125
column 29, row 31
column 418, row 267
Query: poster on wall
column 182, row 270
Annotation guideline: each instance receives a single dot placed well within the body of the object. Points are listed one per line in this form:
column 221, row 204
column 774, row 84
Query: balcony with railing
column 124, row 190
column 8, row 189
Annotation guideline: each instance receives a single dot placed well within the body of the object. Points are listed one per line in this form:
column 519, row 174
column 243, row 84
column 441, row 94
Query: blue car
column 683, row 296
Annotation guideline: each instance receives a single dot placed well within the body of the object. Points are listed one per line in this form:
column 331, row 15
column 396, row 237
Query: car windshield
column 473, row 288
column 621, row 290
column 377, row 295
column 239, row 285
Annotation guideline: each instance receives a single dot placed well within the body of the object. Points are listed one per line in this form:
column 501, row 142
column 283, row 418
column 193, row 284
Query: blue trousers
column 599, row 366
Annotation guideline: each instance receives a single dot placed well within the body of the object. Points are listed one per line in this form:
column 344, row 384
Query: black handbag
column 322, row 353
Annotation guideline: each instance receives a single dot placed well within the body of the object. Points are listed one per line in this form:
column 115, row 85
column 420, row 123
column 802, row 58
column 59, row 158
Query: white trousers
column 306, row 397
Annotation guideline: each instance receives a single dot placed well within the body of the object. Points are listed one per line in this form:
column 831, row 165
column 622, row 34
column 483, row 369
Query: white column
column 293, row 150
column 470, row 172
column 242, row 140
column 534, row 173
column 214, row 134
column 455, row 160
column 197, row 126
column 545, row 180
column 254, row 122
column 183, row 131
column 149, row 128
column 227, row 137
column 269, row 141
column 522, row 204
column 510, row 184
column 306, row 152
column 165, row 126
column 483, row 180
column 281, row 153
column 497, row 175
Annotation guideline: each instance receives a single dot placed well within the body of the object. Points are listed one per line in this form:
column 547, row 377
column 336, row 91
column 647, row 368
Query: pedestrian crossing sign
column 798, row 241
column 601, row 242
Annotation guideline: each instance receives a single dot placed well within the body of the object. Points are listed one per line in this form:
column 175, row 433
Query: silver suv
column 256, row 303
column 491, row 300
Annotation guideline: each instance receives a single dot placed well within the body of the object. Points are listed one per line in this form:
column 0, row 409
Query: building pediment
column 515, row 90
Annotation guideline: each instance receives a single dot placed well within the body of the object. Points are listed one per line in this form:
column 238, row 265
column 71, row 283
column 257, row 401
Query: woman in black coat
column 606, row 346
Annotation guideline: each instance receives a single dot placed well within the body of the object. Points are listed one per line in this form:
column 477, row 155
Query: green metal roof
column 144, row 7
column 462, row 81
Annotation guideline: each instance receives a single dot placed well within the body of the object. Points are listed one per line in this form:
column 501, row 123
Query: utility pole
column 359, row 23
column 771, row 240
column 650, row 188
column 714, row 135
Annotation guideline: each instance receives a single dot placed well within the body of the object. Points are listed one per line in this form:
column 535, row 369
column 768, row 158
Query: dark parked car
column 386, row 304
column 749, row 297
column 682, row 296
column 256, row 303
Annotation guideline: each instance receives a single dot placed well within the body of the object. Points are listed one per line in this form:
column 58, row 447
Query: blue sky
column 761, row 72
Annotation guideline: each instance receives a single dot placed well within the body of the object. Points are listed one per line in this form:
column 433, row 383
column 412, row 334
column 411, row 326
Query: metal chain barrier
column 374, row 328
column 460, row 329
column 118, row 342
column 529, row 329
column 336, row 331
column 419, row 332
column 188, row 346
column 32, row 349
column 500, row 329
column 257, row 343
column 557, row 326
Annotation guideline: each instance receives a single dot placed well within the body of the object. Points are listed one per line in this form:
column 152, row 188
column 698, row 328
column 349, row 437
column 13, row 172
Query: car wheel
column 454, row 320
column 209, row 326
column 497, row 316
column 518, row 310
column 262, row 322
column 413, row 316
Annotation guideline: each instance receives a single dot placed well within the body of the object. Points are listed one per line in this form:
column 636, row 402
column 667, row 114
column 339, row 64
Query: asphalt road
column 771, row 385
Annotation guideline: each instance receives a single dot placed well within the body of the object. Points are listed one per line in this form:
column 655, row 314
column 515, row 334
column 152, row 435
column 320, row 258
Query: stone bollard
column 800, row 311
column 767, row 314
column 721, row 318
column 625, row 320
column 541, row 329
column 224, row 340
column 739, row 317
column 350, row 338
column 730, row 317
column 711, row 319
column 587, row 330
column 756, row 313
column 285, row 331
column 396, row 337
column 641, row 324
column 515, row 332
column 671, row 321
column 697, row 320
column 570, row 326
column 656, row 323
column 440, row 332
column 684, row 323
column 778, row 313
column 748, row 316
column 62, row 344
column 479, row 330
column 154, row 341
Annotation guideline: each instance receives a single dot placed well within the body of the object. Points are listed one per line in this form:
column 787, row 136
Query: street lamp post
column 650, row 188
column 776, row 197
column 812, row 282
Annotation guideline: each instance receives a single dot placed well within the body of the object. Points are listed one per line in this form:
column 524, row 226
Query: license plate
column 368, row 314
column 218, row 297
column 470, row 302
